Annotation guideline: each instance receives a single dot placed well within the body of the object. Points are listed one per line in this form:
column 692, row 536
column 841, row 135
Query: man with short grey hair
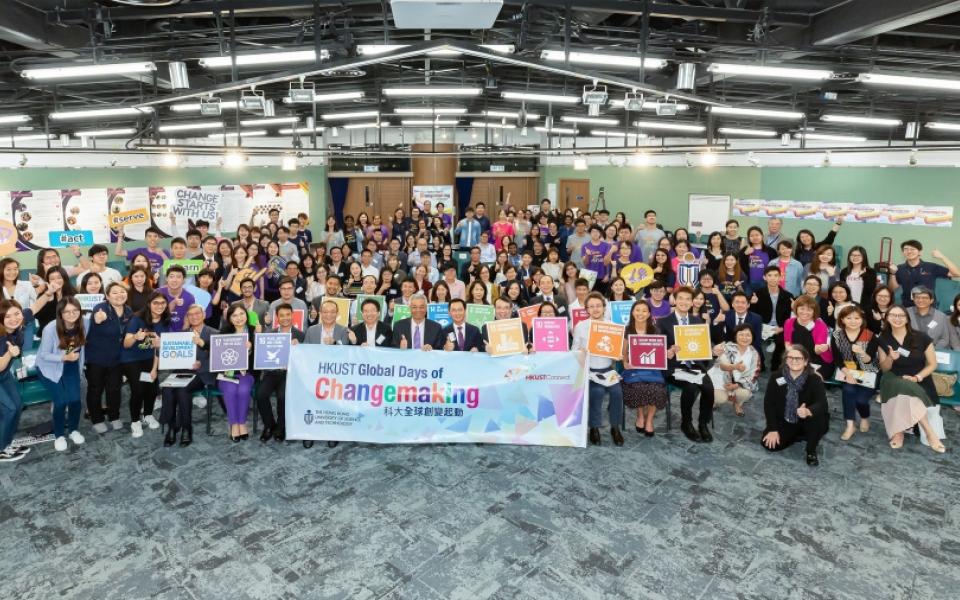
column 774, row 233
column 924, row 317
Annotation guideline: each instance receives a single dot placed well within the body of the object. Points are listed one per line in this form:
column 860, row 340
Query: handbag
column 945, row 383
column 630, row 376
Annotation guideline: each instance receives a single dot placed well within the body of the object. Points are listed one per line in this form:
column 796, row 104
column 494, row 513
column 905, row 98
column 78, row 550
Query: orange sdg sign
column 606, row 339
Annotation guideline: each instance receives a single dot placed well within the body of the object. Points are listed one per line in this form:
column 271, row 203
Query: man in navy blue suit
column 461, row 336
column 741, row 314
column 688, row 390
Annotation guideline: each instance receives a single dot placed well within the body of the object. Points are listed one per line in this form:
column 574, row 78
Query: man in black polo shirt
column 917, row 272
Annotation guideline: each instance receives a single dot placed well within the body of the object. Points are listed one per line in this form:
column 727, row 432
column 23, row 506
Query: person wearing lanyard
column 105, row 331
column 596, row 307
column 275, row 381
column 916, row 271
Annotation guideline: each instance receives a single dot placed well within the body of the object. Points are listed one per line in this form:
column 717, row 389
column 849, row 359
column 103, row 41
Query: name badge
column 931, row 325
column 380, row 339
column 903, row 352
column 561, row 309
column 781, row 381
column 451, row 337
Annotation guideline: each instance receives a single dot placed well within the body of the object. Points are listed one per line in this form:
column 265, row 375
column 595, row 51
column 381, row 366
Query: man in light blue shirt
column 468, row 230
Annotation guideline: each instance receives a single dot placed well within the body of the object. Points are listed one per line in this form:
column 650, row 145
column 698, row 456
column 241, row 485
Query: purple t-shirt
column 593, row 255
column 757, row 261
column 659, row 312
column 156, row 258
column 178, row 314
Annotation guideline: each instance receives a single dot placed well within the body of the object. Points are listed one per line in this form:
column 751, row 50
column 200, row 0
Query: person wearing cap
column 98, row 264
column 916, row 271
column 924, row 317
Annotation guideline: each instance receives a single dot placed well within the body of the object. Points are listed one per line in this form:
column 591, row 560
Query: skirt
column 640, row 394
column 904, row 403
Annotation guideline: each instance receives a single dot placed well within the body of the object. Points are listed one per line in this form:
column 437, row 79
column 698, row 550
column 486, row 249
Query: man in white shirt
column 488, row 252
column 366, row 264
column 98, row 258
column 457, row 287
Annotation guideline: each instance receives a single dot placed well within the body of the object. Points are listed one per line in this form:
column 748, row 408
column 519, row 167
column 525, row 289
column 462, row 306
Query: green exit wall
column 45, row 179
column 665, row 189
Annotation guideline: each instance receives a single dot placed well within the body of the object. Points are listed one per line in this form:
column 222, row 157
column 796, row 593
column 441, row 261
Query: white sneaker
column 20, row 449
column 100, row 427
column 76, row 438
column 60, row 444
column 151, row 422
column 117, row 425
column 137, row 429
column 10, row 456
column 199, row 401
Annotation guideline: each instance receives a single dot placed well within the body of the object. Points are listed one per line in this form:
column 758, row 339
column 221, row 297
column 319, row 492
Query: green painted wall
column 665, row 190
column 26, row 179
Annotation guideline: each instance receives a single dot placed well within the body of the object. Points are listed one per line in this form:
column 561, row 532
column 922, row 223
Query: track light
column 234, row 160
column 171, row 160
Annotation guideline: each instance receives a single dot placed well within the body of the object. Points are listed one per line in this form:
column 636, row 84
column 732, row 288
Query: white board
column 708, row 213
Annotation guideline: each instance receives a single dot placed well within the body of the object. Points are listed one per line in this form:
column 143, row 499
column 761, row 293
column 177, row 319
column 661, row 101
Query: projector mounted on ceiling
column 445, row 14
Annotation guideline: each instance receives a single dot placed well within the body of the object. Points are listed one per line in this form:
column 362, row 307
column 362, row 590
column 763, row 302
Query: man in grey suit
column 328, row 331
column 548, row 293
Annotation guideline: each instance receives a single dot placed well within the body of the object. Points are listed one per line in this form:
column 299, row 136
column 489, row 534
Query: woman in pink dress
column 500, row 229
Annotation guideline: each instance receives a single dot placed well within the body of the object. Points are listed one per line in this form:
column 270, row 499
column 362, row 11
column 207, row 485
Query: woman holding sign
column 602, row 369
column 237, row 389
column 138, row 360
column 59, row 361
column 176, row 409
column 643, row 389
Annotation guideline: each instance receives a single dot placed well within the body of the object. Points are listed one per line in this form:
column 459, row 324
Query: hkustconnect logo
column 308, row 417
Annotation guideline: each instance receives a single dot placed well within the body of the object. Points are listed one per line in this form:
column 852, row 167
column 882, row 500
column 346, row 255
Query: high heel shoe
column 186, row 438
column 171, row 437
column 266, row 434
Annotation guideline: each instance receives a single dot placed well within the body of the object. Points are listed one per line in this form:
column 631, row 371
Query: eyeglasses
column 158, row 303
column 794, row 358
column 896, row 316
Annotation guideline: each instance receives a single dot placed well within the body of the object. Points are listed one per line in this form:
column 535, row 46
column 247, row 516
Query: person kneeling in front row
column 795, row 405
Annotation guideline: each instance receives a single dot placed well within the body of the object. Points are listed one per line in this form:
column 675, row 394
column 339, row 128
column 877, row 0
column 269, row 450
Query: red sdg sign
column 648, row 351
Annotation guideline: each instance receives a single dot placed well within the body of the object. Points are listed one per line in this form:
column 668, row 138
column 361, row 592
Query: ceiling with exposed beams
column 848, row 38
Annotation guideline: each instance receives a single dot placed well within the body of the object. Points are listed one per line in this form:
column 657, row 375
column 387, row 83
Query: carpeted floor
column 659, row 518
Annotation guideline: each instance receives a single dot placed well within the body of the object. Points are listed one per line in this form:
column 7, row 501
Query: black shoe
column 332, row 444
column 186, row 438
column 279, row 434
column 648, row 433
column 244, row 436
column 617, row 436
column 235, row 439
column 171, row 437
column 705, row 435
column 812, row 459
column 690, row 432
column 266, row 434
column 639, row 429
column 308, row 444
column 595, row 436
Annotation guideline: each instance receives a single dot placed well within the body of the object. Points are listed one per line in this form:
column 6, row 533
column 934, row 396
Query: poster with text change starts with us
column 35, row 215
column 130, row 200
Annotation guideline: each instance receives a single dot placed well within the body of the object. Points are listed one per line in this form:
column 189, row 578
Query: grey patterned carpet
column 660, row 518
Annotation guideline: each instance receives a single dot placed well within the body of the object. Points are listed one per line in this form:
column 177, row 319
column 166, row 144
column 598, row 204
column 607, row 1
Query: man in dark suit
column 274, row 381
column 417, row 332
column 773, row 304
column 688, row 390
column 460, row 335
column 741, row 315
column 371, row 331
column 548, row 293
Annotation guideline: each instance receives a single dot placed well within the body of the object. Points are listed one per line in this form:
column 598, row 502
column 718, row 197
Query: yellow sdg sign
column 638, row 275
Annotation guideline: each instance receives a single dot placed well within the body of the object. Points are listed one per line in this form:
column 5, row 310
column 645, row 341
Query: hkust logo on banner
column 688, row 270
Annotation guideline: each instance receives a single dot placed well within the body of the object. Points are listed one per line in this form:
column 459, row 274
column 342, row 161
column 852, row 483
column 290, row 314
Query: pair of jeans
column 272, row 382
column 176, row 409
column 615, row 406
column 11, row 405
column 143, row 394
column 236, row 397
column 856, row 399
column 102, row 378
column 65, row 395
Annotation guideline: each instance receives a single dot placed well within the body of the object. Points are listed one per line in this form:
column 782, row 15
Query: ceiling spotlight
column 171, row 160
column 288, row 163
column 640, row 159
column 826, row 159
column 234, row 160
column 302, row 92
column 708, row 159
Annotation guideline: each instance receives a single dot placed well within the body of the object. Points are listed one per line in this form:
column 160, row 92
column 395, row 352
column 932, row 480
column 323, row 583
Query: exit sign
column 371, row 168
column 497, row 168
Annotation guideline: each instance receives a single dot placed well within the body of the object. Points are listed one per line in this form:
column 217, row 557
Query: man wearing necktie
column 417, row 332
column 461, row 336
column 688, row 389
column 549, row 294
column 738, row 315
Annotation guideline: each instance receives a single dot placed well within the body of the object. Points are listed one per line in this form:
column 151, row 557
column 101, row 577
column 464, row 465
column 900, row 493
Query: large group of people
column 771, row 303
